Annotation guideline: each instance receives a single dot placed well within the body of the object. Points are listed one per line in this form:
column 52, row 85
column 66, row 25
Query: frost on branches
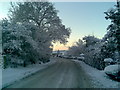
column 90, row 46
column 112, row 38
column 30, row 31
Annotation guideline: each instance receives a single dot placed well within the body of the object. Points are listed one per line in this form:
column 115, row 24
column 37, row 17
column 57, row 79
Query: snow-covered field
column 11, row 75
column 99, row 78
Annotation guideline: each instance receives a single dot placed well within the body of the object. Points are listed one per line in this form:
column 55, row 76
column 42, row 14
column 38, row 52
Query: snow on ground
column 98, row 77
column 11, row 75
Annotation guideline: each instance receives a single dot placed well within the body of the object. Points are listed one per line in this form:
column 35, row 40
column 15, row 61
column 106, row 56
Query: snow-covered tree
column 30, row 31
column 44, row 16
column 90, row 46
column 112, row 38
column 15, row 38
column 93, row 51
column 77, row 49
column 90, row 40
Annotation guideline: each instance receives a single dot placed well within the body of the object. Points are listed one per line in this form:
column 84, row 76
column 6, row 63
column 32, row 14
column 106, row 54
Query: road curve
column 64, row 73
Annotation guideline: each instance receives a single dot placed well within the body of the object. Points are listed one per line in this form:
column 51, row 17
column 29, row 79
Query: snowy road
column 63, row 74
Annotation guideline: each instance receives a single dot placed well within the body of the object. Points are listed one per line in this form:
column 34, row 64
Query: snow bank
column 108, row 60
column 11, row 75
column 112, row 69
column 99, row 78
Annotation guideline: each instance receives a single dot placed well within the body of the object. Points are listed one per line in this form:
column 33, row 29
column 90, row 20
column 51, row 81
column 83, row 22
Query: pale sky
column 84, row 18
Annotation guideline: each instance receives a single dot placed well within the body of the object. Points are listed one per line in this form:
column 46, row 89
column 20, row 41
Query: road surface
column 64, row 73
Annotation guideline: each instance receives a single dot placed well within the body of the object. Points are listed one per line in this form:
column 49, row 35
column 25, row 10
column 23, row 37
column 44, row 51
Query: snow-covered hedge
column 113, row 71
column 108, row 60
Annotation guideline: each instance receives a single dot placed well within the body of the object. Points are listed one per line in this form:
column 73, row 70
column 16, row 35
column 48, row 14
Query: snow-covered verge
column 11, row 75
column 98, row 77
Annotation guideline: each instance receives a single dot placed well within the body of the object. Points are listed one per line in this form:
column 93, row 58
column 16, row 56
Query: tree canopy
column 31, row 29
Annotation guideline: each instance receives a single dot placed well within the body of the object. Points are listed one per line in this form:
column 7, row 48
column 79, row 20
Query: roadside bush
column 113, row 71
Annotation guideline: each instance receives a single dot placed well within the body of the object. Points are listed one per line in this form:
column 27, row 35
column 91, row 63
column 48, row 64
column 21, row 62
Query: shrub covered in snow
column 108, row 60
column 113, row 71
